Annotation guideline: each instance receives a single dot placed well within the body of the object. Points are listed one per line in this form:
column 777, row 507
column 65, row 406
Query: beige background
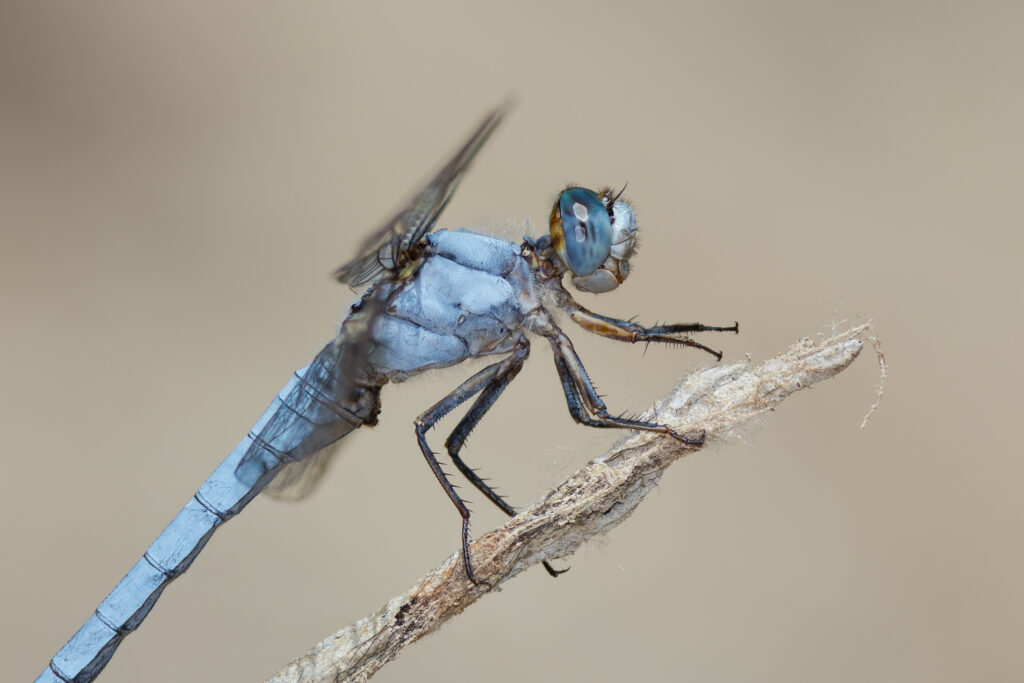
column 177, row 184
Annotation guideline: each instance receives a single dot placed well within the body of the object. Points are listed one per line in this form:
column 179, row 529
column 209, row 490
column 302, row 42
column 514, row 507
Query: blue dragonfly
column 434, row 299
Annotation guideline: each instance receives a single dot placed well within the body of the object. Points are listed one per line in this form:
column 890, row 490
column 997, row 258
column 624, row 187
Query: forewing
column 388, row 247
column 339, row 370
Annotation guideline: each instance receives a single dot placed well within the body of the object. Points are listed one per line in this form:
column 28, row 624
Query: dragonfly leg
column 586, row 406
column 481, row 381
column 507, row 371
column 629, row 331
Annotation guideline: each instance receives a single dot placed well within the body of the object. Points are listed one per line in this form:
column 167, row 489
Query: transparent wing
column 336, row 393
column 297, row 480
column 389, row 247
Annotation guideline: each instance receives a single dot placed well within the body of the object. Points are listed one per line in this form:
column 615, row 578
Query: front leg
column 628, row 331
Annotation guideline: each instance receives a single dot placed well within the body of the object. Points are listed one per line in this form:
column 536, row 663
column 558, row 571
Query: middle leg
column 586, row 406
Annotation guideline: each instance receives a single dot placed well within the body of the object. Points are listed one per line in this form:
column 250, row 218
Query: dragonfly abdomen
column 220, row 498
column 299, row 422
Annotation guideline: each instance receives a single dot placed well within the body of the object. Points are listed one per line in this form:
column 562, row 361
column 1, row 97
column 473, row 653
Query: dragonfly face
column 594, row 236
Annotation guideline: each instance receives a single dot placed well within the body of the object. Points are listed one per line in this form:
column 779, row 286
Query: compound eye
column 581, row 230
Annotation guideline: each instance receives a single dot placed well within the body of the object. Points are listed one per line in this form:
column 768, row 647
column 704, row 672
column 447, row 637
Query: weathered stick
column 588, row 503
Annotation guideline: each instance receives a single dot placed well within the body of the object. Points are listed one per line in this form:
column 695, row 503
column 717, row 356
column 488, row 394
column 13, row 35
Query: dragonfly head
column 594, row 235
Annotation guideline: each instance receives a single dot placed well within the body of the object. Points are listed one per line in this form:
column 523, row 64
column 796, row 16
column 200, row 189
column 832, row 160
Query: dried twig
column 588, row 503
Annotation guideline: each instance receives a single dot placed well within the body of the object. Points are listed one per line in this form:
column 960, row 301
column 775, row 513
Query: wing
column 388, row 248
column 326, row 400
column 383, row 257
column 297, row 480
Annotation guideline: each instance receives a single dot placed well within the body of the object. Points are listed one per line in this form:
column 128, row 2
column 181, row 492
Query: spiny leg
column 628, row 331
column 510, row 367
column 428, row 419
column 582, row 398
column 490, row 394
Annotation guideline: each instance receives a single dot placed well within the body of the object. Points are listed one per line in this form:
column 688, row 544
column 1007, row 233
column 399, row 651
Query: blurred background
column 177, row 183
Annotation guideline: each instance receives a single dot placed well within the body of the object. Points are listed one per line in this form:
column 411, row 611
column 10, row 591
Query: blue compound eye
column 581, row 230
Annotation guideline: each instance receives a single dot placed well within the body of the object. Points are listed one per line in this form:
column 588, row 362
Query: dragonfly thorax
column 594, row 235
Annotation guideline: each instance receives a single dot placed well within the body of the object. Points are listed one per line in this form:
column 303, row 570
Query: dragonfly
column 433, row 299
